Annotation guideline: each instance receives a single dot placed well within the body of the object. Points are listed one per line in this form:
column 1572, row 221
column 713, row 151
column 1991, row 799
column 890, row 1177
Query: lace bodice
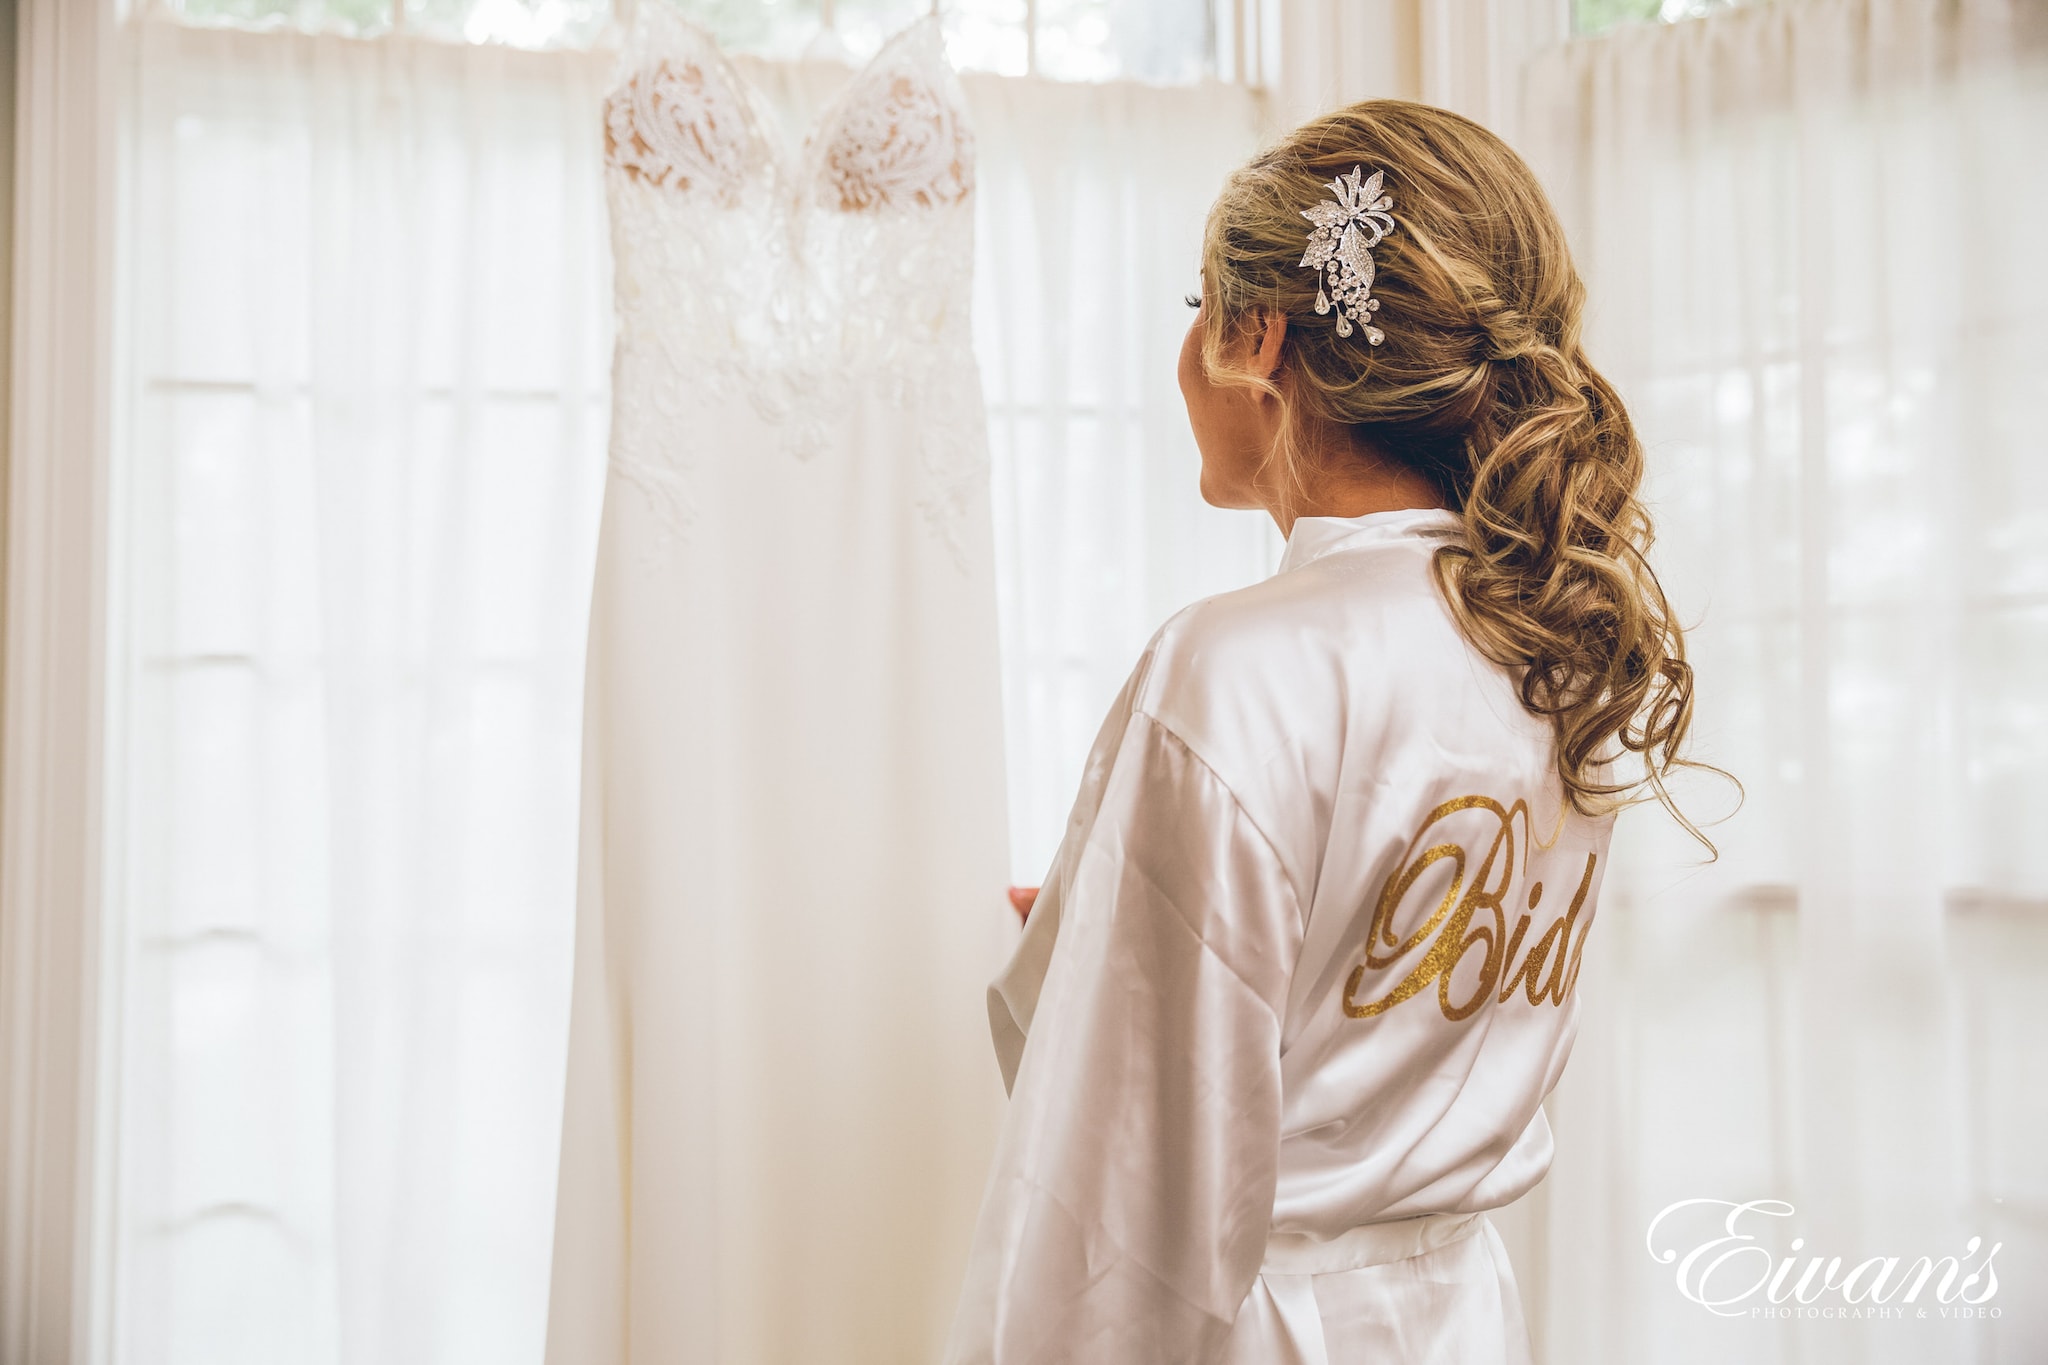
column 681, row 119
column 792, row 278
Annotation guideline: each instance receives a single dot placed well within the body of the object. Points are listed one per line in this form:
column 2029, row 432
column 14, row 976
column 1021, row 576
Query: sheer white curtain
column 1810, row 238
column 363, row 350
column 1091, row 201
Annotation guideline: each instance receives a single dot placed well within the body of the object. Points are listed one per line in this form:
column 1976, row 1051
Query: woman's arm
column 1132, row 1193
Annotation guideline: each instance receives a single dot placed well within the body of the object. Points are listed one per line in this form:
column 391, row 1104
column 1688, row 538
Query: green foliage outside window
column 1597, row 16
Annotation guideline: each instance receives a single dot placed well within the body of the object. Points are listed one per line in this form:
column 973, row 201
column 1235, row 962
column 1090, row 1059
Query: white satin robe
column 1304, row 962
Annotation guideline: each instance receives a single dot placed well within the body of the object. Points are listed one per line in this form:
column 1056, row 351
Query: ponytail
column 1482, row 385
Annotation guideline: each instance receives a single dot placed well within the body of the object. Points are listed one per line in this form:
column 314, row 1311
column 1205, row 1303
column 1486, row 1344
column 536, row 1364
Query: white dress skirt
column 1279, row 1028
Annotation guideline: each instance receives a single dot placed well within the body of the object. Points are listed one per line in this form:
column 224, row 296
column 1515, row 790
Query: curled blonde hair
column 1481, row 385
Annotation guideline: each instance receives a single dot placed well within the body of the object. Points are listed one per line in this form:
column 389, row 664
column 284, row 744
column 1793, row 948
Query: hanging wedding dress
column 779, row 1109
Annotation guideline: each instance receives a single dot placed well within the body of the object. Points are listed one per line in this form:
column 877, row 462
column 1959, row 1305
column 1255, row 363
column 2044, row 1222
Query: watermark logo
column 1721, row 1264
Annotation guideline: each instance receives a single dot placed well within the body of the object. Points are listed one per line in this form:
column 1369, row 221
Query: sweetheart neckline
column 773, row 133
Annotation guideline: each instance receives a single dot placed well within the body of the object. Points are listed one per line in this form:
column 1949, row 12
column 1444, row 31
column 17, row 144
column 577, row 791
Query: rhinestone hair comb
column 1340, row 249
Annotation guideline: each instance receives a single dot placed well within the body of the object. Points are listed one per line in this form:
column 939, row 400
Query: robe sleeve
column 1128, row 1206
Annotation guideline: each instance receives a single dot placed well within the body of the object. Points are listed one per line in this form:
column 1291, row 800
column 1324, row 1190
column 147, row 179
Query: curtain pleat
column 364, row 313
column 1091, row 201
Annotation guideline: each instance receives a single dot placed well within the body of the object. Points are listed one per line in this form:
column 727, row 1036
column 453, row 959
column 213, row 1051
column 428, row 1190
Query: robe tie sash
column 1475, row 1314
column 1301, row 1253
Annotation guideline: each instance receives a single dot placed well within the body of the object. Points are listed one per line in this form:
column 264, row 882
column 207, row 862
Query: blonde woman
column 1280, row 1024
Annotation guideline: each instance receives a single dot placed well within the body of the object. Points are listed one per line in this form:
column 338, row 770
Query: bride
column 1280, row 1025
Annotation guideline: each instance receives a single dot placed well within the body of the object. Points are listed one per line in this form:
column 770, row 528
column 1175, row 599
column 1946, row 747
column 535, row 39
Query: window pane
column 520, row 23
column 988, row 35
column 362, row 18
column 776, row 28
column 1595, row 16
column 1167, row 42
column 862, row 26
column 788, row 29
column 1074, row 40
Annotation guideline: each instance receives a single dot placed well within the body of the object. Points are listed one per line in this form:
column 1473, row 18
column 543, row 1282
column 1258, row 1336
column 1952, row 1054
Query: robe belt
column 1302, row 1253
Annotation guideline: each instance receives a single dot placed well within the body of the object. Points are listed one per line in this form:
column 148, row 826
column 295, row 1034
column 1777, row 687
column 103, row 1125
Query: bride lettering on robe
column 1455, row 933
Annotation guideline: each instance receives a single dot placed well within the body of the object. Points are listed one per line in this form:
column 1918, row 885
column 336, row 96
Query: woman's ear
column 1269, row 343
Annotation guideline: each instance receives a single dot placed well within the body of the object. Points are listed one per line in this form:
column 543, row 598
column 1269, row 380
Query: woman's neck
column 1369, row 484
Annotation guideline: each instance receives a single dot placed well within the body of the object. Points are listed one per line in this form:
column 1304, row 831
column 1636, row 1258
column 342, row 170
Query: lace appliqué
column 909, row 147
column 675, row 126
column 953, row 458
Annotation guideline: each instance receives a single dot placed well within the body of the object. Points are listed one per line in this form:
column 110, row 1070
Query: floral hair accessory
column 1340, row 248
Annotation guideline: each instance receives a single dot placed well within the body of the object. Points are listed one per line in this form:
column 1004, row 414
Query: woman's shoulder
column 1347, row 609
column 1263, row 665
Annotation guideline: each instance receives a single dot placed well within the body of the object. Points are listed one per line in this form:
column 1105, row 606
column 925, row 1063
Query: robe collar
column 1314, row 537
